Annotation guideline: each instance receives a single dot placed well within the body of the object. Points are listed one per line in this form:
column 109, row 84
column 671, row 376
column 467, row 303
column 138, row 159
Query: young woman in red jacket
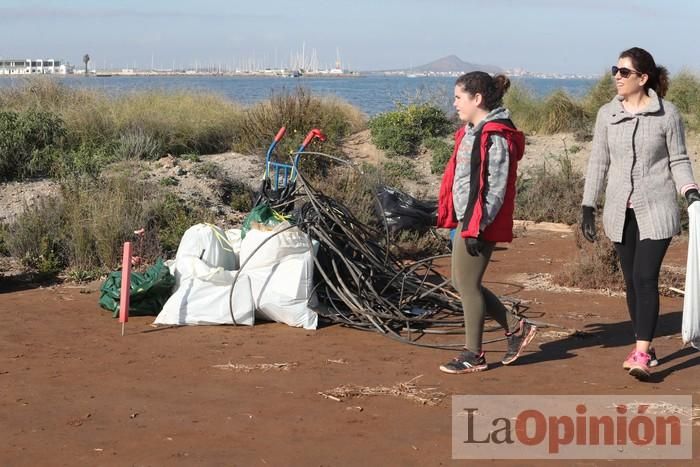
column 477, row 197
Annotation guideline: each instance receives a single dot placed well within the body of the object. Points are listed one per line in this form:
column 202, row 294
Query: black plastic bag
column 404, row 212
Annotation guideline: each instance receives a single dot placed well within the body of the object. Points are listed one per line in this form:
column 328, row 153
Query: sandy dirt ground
column 74, row 392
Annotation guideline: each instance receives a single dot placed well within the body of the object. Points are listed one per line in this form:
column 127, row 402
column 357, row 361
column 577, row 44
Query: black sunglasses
column 624, row 72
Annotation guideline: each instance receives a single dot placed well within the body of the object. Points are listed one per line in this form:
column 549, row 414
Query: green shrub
column 84, row 275
column 103, row 213
column 558, row 112
column 191, row 157
column 87, row 114
column 207, row 170
column 27, row 143
column 600, row 94
column 397, row 170
column 550, row 194
column 400, row 132
column 87, row 159
column 524, row 107
column 236, row 194
column 171, row 217
column 684, row 92
column 561, row 113
column 169, row 181
column 38, row 238
column 441, row 153
column 137, row 144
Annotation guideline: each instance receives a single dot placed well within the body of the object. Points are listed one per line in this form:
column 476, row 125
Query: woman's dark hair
column 644, row 63
column 491, row 88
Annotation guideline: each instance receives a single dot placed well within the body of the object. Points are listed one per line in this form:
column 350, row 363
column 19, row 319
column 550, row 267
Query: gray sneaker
column 466, row 362
column 518, row 340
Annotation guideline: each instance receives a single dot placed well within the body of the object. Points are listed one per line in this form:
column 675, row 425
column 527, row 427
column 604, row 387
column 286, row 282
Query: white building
column 21, row 66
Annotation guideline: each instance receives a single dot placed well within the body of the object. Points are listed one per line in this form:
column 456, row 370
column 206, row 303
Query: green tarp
column 148, row 292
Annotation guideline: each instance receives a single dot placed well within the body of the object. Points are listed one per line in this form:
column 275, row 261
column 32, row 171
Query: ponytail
column 662, row 81
column 502, row 84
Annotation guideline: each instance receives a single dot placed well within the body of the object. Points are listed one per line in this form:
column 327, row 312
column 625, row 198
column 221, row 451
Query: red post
column 126, row 286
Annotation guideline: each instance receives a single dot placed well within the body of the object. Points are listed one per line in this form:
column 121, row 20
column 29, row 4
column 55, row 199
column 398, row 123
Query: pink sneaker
column 639, row 366
column 627, row 364
column 628, row 361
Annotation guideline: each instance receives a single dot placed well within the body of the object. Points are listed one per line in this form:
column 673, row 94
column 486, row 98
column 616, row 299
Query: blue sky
column 582, row 36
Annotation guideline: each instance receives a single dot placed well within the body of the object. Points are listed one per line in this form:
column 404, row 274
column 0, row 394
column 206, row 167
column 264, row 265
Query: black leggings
column 641, row 263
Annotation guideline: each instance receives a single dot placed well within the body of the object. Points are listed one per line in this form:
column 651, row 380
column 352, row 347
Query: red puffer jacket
column 501, row 229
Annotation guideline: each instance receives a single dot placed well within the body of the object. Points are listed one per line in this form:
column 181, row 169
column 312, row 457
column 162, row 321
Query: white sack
column 281, row 275
column 212, row 242
column 202, row 296
column 691, row 302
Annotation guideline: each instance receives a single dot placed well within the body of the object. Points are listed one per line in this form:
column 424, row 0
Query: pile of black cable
column 363, row 285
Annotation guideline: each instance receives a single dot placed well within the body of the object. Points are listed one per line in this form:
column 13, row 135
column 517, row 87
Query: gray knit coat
column 644, row 158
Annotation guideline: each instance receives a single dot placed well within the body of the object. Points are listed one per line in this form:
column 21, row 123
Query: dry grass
column 144, row 124
column 551, row 192
column 264, row 367
column 183, row 122
column 407, row 390
column 299, row 111
column 597, row 267
column 84, row 229
column 418, row 245
column 546, row 282
column 353, row 189
column 560, row 112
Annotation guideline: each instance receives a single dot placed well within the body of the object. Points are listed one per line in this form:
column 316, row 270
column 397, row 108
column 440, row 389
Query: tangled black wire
column 361, row 284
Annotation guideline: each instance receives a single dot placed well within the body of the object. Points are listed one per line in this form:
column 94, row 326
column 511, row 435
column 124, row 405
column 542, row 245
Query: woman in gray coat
column 639, row 145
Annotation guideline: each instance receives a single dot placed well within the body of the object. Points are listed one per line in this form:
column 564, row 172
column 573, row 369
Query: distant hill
column 453, row 63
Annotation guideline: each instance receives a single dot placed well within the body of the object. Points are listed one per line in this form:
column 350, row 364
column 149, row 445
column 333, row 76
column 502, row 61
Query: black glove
column 588, row 224
column 475, row 246
column 692, row 196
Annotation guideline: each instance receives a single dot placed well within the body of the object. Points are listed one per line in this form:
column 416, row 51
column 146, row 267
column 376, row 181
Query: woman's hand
column 588, row 224
column 692, row 196
column 474, row 246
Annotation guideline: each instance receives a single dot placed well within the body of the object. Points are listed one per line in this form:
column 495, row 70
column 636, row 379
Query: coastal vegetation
column 94, row 144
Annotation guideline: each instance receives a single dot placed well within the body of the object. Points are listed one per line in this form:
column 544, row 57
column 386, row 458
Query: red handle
column 280, row 134
column 314, row 133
